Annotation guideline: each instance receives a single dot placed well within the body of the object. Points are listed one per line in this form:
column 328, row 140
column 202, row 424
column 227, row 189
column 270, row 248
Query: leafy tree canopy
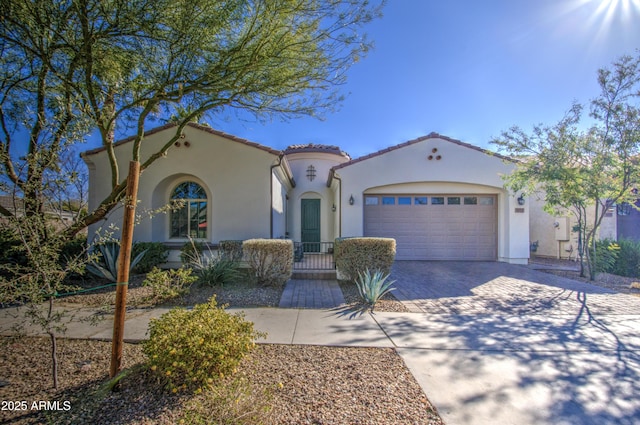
column 72, row 67
column 69, row 67
column 578, row 166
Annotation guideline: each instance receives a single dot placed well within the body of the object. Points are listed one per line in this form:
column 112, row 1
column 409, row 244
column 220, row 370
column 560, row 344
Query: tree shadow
column 577, row 368
column 351, row 311
column 455, row 287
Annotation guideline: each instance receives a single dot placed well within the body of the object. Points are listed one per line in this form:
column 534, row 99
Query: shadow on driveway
column 458, row 287
column 502, row 344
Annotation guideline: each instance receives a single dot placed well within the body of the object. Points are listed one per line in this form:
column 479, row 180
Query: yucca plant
column 373, row 287
column 215, row 271
column 106, row 265
column 211, row 269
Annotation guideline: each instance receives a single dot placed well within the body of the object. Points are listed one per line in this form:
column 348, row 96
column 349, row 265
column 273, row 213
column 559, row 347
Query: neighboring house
column 438, row 197
column 61, row 218
column 14, row 205
column 628, row 221
column 554, row 236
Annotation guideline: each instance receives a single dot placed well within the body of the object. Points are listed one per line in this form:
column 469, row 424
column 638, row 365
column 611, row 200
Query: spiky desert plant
column 372, row 287
column 106, row 265
column 214, row 270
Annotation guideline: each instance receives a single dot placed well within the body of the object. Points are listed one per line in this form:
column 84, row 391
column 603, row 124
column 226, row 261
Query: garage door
column 435, row 227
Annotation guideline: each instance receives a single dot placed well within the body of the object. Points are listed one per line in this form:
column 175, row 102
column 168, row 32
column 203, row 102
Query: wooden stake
column 124, row 260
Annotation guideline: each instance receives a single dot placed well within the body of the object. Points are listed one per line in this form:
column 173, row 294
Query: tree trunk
column 54, row 349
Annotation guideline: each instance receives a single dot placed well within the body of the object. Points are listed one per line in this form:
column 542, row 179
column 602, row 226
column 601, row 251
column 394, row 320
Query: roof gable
column 418, row 140
column 200, row 127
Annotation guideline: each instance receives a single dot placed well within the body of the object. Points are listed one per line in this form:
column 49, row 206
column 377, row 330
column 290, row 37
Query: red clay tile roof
column 418, row 140
column 314, row 147
column 193, row 125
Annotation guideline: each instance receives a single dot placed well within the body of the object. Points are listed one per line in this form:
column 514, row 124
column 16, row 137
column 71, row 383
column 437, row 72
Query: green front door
column 311, row 225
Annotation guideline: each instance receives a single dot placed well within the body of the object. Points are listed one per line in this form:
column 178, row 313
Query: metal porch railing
column 313, row 256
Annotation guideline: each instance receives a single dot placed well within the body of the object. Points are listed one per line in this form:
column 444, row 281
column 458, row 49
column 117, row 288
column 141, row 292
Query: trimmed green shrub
column 156, row 253
column 193, row 349
column 336, row 245
column 354, row 256
column 191, row 251
column 270, row 260
column 230, row 250
column 628, row 261
column 169, row 284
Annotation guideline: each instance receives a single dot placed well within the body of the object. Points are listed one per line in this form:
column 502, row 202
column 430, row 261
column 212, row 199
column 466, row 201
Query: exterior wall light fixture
column 521, row 199
column 351, row 200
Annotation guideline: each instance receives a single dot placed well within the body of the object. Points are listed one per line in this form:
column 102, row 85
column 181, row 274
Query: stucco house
column 438, row 197
column 628, row 220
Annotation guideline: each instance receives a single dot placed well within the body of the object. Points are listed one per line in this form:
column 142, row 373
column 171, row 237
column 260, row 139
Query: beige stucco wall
column 554, row 234
column 280, row 206
column 313, row 189
column 237, row 178
column 460, row 169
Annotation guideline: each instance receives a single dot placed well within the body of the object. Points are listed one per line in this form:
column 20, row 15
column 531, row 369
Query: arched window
column 190, row 218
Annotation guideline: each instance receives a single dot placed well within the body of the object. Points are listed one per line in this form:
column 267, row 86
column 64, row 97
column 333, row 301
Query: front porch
column 313, row 256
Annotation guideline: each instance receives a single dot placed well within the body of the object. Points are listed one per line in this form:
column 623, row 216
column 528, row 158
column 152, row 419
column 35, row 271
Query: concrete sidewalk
column 283, row 326
column 476, row 369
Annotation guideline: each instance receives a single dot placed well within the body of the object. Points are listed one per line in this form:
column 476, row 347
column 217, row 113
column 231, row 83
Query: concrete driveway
column 495, row 343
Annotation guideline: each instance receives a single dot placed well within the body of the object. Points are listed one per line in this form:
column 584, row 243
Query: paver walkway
column 311, row 293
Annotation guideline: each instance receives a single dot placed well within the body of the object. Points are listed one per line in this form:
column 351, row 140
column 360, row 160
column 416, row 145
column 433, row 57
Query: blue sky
column 466, row 69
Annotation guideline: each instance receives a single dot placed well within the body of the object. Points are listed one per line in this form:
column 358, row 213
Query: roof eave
column 432, row 135
column 193, row 125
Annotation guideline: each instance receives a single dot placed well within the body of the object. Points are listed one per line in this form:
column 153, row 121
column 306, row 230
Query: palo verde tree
column 123, row 63
column 584, row 169
column 69, row 68
column 35, row 256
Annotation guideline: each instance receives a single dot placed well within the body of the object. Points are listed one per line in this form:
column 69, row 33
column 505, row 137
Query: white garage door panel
column 463, row 228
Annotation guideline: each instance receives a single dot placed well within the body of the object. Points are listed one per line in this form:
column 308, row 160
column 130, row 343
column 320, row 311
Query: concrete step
column 314, row 274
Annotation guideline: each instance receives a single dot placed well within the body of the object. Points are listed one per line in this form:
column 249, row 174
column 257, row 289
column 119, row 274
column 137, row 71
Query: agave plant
column 106, row 265
column 214, row 270
column 373, row 287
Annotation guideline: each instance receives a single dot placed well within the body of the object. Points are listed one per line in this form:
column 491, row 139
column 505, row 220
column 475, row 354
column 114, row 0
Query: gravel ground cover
column 302, row 384
column 239, row 294
column 388, row 303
